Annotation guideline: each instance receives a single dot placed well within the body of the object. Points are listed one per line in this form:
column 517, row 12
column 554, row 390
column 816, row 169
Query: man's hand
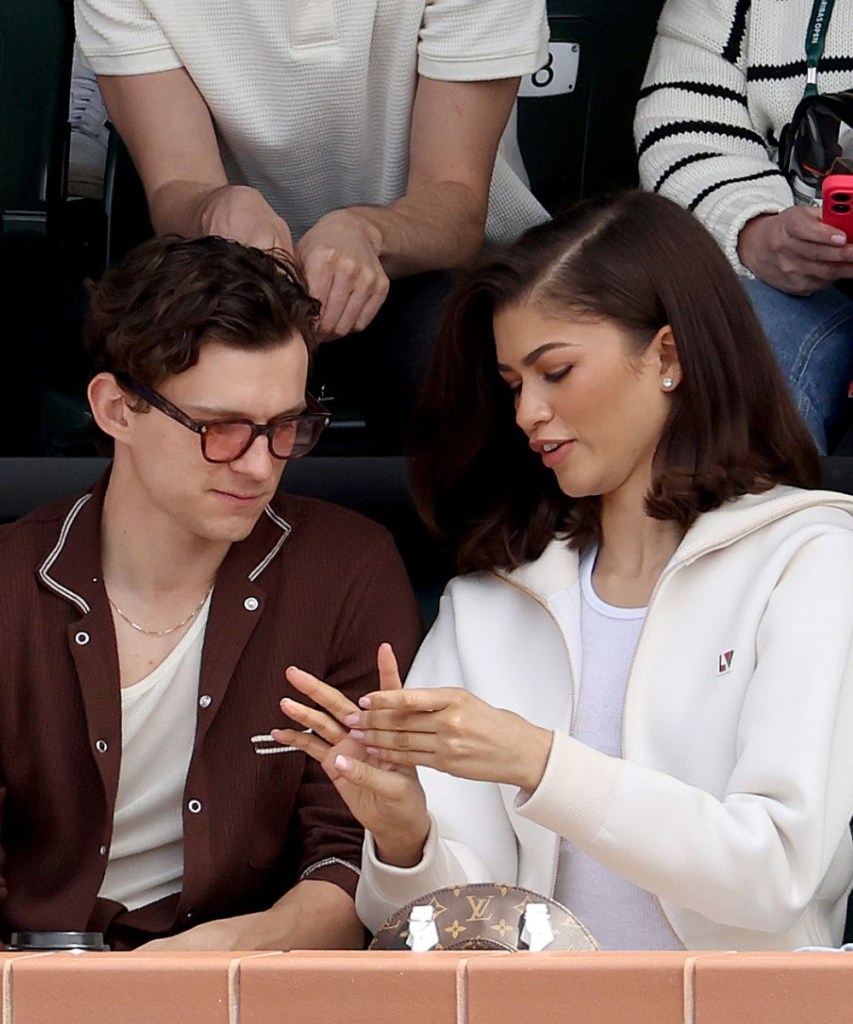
column 168, row 129
column 350, row 254
column 341, row 259
column 795, row 251
column 242, row 213
column 389, row 802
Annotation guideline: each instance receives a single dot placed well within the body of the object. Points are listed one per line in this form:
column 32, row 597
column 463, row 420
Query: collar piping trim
column 44, row 568
column 83, row 605
column 286, row 529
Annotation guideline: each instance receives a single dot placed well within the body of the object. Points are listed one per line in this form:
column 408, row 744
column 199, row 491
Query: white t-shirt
column 158, row 721
column 312, row 99
column 618, row 913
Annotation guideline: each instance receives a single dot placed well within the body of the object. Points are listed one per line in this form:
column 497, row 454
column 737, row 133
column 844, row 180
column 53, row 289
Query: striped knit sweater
column 723, row 79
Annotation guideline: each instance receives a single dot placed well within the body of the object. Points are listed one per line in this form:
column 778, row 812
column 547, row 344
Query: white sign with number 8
column 557, row 76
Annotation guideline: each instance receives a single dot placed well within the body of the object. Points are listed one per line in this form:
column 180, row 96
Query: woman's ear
column 108, row 404
column 665, row 352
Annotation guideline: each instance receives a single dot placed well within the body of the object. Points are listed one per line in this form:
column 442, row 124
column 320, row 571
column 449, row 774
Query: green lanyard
column 815, row 41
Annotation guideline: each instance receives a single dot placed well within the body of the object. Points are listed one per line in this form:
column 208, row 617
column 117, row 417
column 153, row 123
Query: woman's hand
column 389, row 802
column 453, row 731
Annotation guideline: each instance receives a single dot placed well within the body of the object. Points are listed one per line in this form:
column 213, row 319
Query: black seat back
column 576, row 114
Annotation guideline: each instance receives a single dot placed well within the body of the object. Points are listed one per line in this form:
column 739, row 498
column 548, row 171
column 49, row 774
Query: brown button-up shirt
column 313, row 585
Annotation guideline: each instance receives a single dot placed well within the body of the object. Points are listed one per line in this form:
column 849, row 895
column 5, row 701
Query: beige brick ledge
column 428, row 988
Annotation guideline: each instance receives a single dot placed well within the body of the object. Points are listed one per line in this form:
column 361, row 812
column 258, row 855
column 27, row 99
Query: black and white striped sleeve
column 696, row 139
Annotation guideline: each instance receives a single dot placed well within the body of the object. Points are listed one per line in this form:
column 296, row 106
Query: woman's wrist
column 401, row 851
column 534, row 758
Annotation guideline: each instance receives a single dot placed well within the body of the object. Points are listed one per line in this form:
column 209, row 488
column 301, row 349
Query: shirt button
column 102, row 850
column 82, row 638
column 251, row 604
column 102, row 746
column 205, row 700
column 194, row 806
column 188, row 913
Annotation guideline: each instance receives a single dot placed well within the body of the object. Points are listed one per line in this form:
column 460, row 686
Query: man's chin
column 234, row 527
column 240, row 528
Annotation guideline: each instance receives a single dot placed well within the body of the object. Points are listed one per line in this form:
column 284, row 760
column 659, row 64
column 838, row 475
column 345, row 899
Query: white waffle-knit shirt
column 312, row 99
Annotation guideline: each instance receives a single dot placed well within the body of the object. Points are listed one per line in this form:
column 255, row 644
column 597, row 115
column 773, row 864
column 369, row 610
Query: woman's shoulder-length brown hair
column 643, row 262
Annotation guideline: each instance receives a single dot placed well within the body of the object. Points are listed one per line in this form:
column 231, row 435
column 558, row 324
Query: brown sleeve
column 379, row 607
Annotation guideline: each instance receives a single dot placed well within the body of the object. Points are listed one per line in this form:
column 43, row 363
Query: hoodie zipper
column 655, row 589
column 572, row 694
column 532, row 594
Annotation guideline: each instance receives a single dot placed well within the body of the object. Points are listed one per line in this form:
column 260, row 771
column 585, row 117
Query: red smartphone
column 837, row 195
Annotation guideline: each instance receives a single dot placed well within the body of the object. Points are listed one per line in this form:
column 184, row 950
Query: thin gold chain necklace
column 159, row 632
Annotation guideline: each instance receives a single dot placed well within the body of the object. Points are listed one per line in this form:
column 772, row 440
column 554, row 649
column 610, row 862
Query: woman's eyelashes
column 552, row 377
column 557, row 375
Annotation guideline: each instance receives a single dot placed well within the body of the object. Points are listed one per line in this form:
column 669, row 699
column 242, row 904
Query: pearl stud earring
column 668, row 383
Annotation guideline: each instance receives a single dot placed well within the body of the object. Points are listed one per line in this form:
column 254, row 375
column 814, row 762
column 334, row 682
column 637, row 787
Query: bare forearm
column 438, row 224
column 436, row 227
column 177, row 207
column 168, row 130
column 312, row 915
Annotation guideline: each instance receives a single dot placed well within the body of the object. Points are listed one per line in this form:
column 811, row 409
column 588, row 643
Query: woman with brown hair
column 638, row 694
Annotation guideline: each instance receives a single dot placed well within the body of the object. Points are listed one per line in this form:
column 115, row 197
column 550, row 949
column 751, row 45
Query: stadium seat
column 35, row 67
column 575, row 115
column 125, row 205
column 838, row 473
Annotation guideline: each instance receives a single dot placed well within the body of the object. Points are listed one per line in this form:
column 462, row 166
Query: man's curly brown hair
column 150, row 315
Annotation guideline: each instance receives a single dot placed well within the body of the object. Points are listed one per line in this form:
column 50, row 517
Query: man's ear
column 665, row 352
column 109, row 407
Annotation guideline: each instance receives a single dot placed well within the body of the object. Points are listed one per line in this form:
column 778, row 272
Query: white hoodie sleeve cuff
column 576, row 791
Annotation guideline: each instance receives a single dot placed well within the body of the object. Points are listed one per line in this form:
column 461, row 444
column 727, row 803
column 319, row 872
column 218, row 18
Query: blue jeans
column 812, row 338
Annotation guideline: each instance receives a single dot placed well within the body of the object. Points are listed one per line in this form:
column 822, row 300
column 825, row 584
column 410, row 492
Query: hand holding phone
column 837, row 195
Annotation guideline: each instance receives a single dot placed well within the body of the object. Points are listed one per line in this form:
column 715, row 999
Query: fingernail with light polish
column 354, row 718
column 357, row 734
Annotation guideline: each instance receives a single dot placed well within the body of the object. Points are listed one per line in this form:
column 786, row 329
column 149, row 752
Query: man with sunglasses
column 148, row 625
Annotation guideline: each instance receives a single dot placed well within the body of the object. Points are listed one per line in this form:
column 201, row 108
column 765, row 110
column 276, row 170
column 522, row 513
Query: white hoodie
column 733, row 799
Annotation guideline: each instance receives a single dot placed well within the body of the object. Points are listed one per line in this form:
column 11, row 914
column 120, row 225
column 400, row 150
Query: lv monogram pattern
column 484, row 915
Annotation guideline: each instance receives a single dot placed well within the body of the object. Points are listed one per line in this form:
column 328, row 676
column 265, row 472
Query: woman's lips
column 552, row 452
